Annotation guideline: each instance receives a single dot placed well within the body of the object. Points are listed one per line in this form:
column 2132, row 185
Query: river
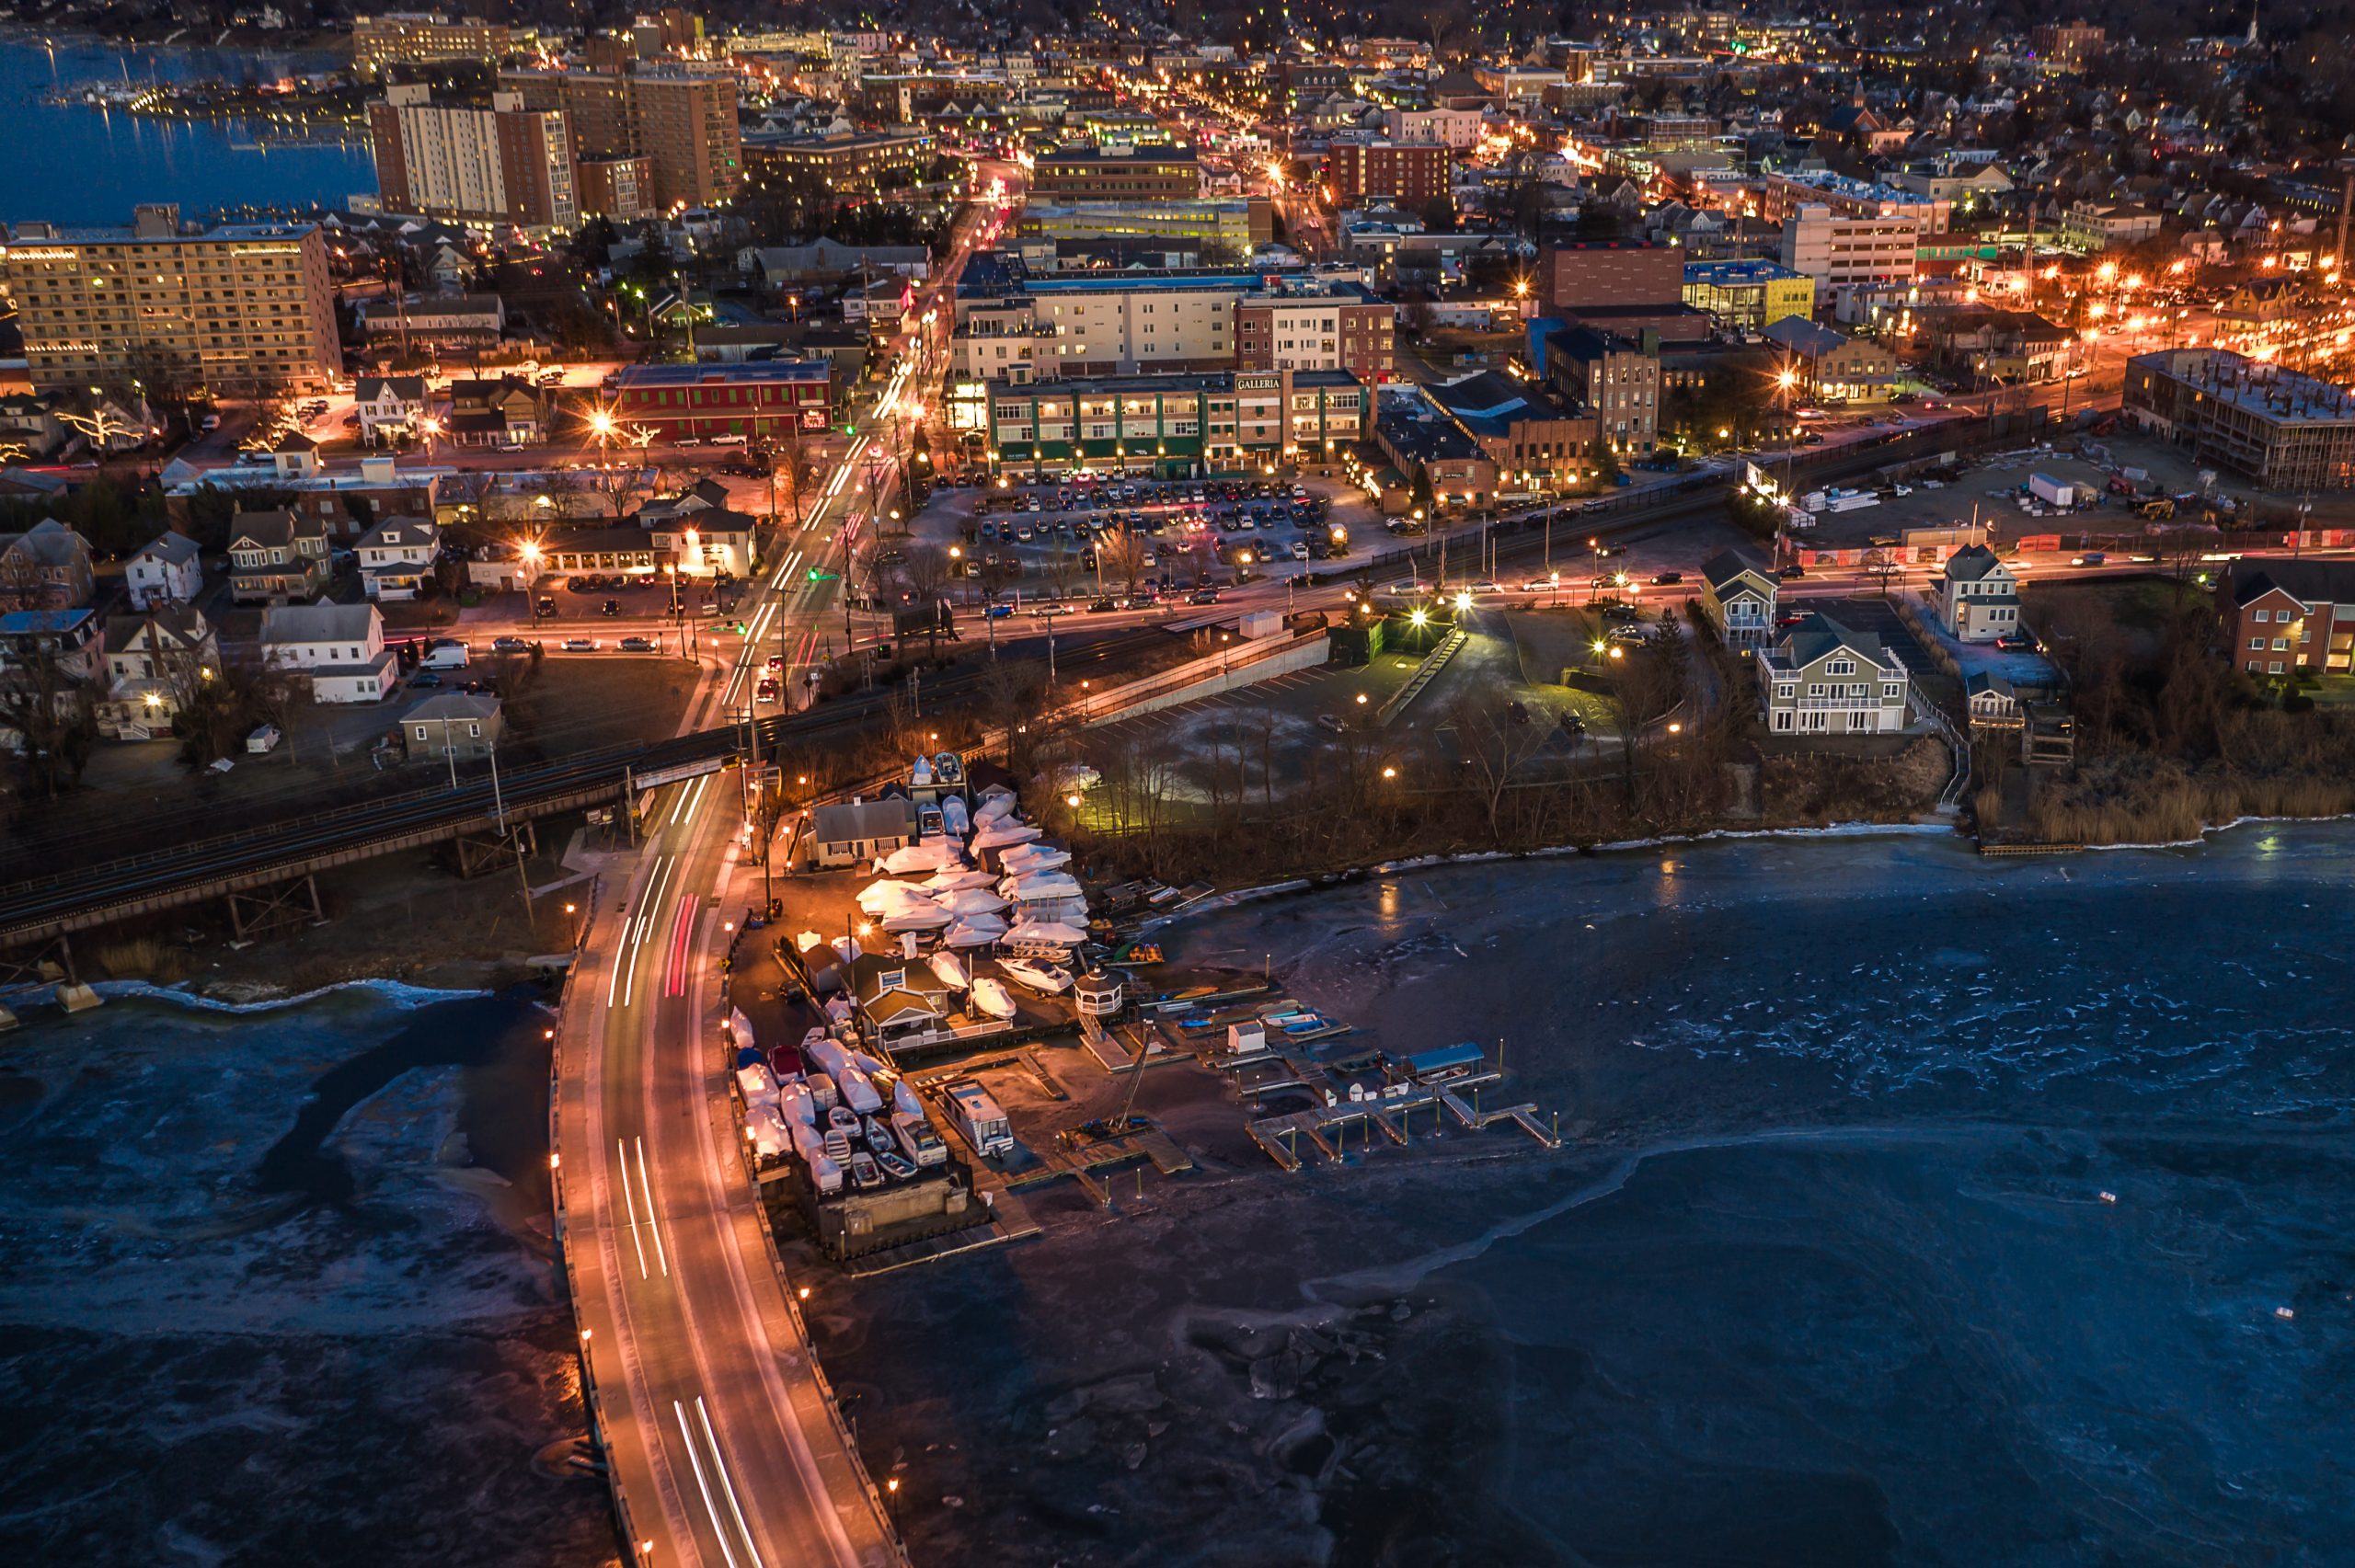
column 276, row 1287
column 83, row 165
column 1915, row 1210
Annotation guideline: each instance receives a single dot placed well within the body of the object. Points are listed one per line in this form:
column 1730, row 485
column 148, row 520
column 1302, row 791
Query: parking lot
column 1192, row 533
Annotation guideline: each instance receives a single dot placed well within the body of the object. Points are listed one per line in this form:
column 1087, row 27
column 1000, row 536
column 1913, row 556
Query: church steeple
column 2252, row 23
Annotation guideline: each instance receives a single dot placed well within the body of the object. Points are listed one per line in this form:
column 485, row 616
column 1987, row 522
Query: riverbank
column 1826, row 1274
column 405, row 919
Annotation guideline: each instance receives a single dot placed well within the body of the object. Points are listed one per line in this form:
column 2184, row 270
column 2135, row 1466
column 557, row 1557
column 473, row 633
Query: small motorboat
column 991, row 999
column 1039, row 975
column 864, row 1172
column 879, row 1137
column 837, row 1148
column 898, row 1166
column 841, row 1120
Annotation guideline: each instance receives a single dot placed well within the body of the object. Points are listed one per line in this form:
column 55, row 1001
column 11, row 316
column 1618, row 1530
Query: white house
column 392, row 404
column 166, row 571
column 396, row 556
column 1979, row 599
column 1820, row 678
column 340, row 646
column 153, row 658
column 1739, row 598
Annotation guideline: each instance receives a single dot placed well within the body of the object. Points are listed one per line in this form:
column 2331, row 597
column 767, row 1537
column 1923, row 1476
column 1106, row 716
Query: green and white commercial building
column 1179, row 426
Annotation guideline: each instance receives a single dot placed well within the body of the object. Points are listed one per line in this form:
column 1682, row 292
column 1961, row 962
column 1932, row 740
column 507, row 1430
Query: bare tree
column 1884, row 568
column 1063, row 568
column 1497, row 747
column 926, row 571
column 789, row 464
column 619, row 484
column 1119, row 556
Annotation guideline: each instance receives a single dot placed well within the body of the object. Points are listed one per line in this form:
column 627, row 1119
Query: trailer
column 2052, row 492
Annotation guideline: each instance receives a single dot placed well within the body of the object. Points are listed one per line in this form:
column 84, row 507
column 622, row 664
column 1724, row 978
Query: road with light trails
column 710, row 1406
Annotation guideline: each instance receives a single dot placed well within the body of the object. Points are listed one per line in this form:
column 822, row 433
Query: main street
column 713, row 1413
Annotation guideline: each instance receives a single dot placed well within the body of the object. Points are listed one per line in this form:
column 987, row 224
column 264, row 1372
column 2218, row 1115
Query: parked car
column 610, row 607
column 546, row 605
column 580, row 645
column 424, row 678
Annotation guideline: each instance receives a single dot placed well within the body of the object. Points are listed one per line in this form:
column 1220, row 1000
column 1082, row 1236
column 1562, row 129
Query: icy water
column 275, row 1288
column 1916, row 1210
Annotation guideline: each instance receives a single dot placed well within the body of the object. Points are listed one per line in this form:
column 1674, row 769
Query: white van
column 445, row 653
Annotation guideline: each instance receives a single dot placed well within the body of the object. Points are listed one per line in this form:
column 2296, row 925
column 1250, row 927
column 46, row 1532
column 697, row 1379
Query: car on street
column 2016, row 643
column 1667, row 579
column 1203, row 596
column 999, row 611
column 511, row 645
column 610, row 607
column 580, row 645
column 765, row 689
column 637, row 644
column 1045, row 612
column 424, row 678
column 1539, row 585
column 1103, row 606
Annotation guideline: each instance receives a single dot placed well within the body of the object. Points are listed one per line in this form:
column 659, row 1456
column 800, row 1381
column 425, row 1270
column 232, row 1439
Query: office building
column 1129, row 173
column 1456, row 128
column 240, row 309
column 1406, row 172
column 1841, row 253
column 418, row 38
column 1234, row 228
column 2284, row 430
column 1746, row 296
column 1230, row 421
column 497, row 163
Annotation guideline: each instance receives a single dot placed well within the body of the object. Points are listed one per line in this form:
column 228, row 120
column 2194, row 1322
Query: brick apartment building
column 1406, row 172
column 2281, row 616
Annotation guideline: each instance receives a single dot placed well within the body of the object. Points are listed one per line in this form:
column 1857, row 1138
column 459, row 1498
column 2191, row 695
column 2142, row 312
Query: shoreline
column 1318, row 881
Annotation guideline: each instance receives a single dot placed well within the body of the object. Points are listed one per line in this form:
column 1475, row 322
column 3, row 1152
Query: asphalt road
column 713, row 1411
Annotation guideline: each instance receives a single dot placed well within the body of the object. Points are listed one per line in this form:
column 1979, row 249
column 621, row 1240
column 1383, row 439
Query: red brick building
column 1575, row 273
column 2282, row 615
column 1404, row 171
column 763, row 397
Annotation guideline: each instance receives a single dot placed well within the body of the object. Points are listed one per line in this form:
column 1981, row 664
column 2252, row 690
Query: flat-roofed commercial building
column 1782, row 195
column 1011, row 326
column 861, row 164
column 1132, row 173
column 1574, row 275
column 242, row 309
column 2284, row 430
column 1230, row 421
column 760, row 397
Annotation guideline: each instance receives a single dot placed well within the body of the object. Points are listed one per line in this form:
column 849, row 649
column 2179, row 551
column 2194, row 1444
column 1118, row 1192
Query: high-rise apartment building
column 421, row 38
column 680, row 117
column 501, row 163
column 683, row 121
column 242, row 309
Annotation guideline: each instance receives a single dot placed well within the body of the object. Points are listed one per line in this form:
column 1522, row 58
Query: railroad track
column 55, row 903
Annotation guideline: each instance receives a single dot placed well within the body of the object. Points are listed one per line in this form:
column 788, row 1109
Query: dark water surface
column 74, row 164
column 1826, row 1274
column 275, row 1289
